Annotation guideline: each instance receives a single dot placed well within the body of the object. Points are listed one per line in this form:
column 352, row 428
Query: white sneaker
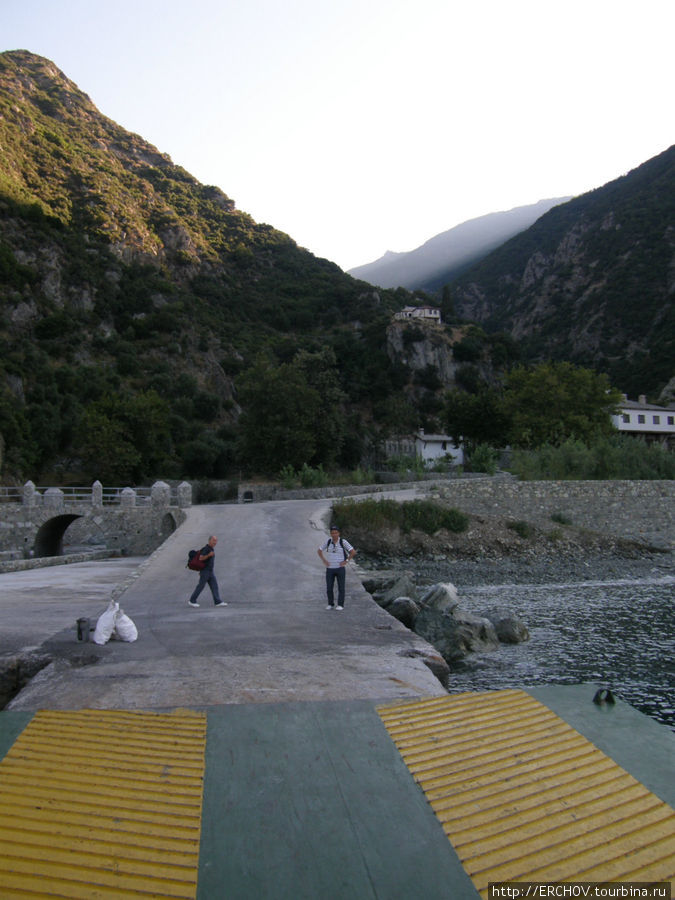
column 222, row 603
column 330, row 606
column 193, row 603
column 340, row 607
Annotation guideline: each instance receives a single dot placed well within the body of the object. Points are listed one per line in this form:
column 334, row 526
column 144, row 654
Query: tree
column 472, row 346
column 125, row 438
column 19, row 455
column 552, row 402
column 279, row 424
column 476, row 418
column 320, row 371
column 207, row 456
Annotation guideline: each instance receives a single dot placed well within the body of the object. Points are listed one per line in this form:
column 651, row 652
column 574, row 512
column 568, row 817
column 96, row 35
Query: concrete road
column 275, row 641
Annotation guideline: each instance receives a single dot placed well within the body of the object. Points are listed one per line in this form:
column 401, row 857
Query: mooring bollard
column 83, row 628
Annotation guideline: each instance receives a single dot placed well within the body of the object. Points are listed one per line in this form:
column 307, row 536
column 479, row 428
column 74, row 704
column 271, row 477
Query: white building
column 428, row 313
column 435, row 446
column 653, row 423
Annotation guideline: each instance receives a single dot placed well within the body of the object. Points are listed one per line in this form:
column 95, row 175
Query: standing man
column 207, row 576
column 335, row 554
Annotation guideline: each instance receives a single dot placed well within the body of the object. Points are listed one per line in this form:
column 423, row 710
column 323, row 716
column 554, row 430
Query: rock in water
column 453, row 632
column 405, row 610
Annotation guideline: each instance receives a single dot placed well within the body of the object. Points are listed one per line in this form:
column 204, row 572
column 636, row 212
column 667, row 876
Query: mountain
column 446, row 255
column 131, row 292
column 149, row 328
column 591, row 282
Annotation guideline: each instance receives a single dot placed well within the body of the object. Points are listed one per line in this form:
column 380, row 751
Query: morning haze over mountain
column 148, row 326
column 447, row 255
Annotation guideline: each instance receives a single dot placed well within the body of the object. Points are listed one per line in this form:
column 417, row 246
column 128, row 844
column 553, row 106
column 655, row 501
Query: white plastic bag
column 106, row 623
column 125, row 629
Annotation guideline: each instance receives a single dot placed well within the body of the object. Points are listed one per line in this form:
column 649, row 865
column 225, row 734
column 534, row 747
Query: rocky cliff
column 420, row 347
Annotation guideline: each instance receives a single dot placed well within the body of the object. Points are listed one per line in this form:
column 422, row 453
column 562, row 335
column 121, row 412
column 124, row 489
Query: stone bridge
column 54, row 521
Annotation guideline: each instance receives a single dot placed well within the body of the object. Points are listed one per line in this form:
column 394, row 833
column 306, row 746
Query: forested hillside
column 592, row 281
column 149, row 328
column 134, row 301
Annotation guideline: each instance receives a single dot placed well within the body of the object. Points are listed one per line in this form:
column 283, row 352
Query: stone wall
column 639, row 510
column 256, row 492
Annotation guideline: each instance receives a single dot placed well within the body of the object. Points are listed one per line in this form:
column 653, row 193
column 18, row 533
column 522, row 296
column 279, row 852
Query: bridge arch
column 49, row 537
column 169, row 525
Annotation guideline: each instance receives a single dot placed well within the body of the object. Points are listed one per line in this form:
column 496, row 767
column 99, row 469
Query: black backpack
column 328, row 543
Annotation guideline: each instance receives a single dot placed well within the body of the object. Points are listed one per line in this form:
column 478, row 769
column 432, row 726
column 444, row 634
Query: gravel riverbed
column 534, row 569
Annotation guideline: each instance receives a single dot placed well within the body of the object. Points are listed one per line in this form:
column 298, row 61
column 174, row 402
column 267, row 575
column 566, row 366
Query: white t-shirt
column 334, row 554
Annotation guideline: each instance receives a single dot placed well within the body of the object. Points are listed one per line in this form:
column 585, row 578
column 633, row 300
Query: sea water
column 617, row 634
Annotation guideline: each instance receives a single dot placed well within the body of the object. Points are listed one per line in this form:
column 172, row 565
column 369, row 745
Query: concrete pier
column 242, row 751
column 274, row 641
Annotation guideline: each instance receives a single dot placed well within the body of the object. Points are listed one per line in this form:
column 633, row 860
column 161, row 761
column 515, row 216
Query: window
column 626, row 417
column 656, row 420
column 641, row 419
column 671, row 420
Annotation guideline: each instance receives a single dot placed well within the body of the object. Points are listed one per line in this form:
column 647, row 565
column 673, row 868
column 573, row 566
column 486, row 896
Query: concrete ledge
column 41, row 562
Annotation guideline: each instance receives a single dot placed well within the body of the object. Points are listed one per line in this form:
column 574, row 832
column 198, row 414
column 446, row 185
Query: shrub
column 523, row 529
column 561, row 519
column 445, row 463
column 421, row 515
column 288, row 478
column 617, row 457
column 362, row 476
column 454, row 520
column 404, row 466
column 483, row 459
column 310, row 477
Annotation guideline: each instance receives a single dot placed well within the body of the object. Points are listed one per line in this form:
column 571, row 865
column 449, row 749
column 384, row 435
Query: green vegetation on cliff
column 125, row 282
column 591, row 282
column 149, row 328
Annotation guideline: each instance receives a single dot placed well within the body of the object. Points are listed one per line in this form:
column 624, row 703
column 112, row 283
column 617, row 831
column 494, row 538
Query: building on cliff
column 428, row 313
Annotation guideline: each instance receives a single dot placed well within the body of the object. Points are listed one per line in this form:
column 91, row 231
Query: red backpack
column 194, row 562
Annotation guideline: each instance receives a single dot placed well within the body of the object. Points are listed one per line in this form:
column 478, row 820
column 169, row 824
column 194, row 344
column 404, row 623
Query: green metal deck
column 428, row 798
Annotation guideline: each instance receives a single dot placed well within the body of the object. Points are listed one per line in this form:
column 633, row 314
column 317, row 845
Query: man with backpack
column 335, row 553
column 207, row 555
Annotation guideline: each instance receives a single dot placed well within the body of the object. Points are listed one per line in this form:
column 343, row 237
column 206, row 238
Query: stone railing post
column 30, row 494
column 184, row 492
column 128, row 498
column 97, row 494
column 53, row 498
column 160, row 494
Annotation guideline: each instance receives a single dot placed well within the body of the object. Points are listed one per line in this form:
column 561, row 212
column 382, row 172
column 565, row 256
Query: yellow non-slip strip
column 522, row 796
column 102, row 803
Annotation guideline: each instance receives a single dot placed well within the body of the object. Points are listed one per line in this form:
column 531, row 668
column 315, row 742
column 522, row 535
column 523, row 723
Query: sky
column 361, row 126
